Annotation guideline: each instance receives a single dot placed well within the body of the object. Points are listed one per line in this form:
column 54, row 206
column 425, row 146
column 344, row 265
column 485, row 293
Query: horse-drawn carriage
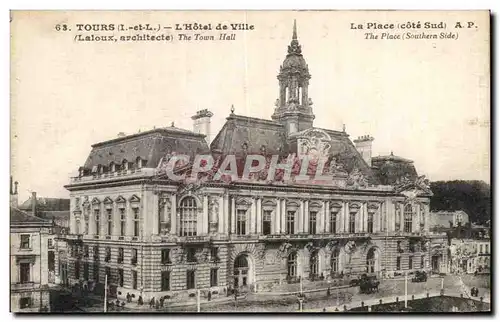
column 368, row 284
column 420, row 276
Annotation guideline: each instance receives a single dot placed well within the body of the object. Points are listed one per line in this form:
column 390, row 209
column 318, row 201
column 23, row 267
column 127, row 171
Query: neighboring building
column 154, row 236
column 56, row 211
column 470, row 256
column 29, row 291
column 448, row 219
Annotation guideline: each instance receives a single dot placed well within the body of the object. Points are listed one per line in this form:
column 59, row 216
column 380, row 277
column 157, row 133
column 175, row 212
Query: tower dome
column 294, row 58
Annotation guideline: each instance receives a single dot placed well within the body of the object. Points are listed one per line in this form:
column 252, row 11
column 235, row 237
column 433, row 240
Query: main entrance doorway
column 241, row 272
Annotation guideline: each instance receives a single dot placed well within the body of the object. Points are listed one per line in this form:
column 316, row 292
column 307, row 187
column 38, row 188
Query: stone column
column 346, row 216
column 259, row 216
column 155, row 214
column 305, row 226
column 322, row 223
column 300, row 220
column 283, row 216
column 72, row 222
column 221, row 220
column 91, row 221
column 401, row 217
column 204, row 222
column 173, row 214
column 103, row 219
column 426, row 218
column 365, row 222
column 276, row 219
column 233, row 215
column 252, row 217
column 129, row 215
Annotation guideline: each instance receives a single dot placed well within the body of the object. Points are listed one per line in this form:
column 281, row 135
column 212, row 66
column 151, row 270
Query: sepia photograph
column 250, row 161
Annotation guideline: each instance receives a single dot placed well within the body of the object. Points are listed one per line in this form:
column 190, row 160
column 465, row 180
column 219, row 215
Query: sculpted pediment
column 414, row 188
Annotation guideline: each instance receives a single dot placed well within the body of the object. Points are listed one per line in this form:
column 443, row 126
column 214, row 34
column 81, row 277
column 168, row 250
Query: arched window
column 187, row 220
column 371, row 261
column 292, row 264
column 314, row 264
column 335, row 261
column 352, row 222
column 408, row 216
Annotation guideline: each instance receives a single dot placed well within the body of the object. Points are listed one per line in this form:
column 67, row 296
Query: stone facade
column 212, row 235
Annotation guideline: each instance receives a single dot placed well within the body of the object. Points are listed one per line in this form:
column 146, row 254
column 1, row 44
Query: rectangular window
column 487, row 248
column 480, row 248
column 165, row 281
column 110, row 222
column 312, row 222
column 50, row 243
column 165, row 256
column 241, row 222
column 410, row 262
column 120, row 255
column 97, row 222
column 25, row 302
column 96, row 273
column 134, row 280
column 108, row 274
column 120, row 277
column 214, row 254
column 352, row 222
column 369, row 227
column 77, row 270
column 86, row 227
column 191, row 279
column 134, row 257
column 191, row 255
column 333, row 222
column 266, row 222
column 25, row 269
column 86, row 271
column 422, row 261
column 25, row 242
column 213, row 277
column 398, row 263
column 108, row 255
column 86, row 251
column 96, row 253
column 136, row 222
column 290, row 222
column 122, row 222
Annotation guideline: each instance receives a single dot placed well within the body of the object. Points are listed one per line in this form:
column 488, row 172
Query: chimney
column 364, row 146
column 13, row 194
column 33, row 203
column 201, row 123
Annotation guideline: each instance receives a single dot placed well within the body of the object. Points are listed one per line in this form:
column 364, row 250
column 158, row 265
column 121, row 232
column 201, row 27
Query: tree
column 473, row 197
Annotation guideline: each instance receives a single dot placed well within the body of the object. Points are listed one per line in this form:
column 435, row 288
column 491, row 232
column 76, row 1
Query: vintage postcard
column 250, row 161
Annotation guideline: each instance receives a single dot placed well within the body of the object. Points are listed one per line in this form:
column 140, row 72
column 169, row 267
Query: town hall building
column 154, row 236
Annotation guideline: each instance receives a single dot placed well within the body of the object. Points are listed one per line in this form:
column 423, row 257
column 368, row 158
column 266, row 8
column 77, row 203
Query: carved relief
column 356, row 179
column 213, row 214
column 165, row 207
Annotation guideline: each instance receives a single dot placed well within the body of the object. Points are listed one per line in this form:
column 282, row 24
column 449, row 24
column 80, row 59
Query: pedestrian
column 157, row 304
column 209, row 297
column 140, row 301
column 162, row 301
column 152, row 303
column 129, row 298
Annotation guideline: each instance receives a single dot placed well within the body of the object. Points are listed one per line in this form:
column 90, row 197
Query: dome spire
column 294, row 47
column 294, row 36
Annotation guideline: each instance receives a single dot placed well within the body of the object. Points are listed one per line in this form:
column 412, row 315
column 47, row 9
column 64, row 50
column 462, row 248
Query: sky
column 425, row 100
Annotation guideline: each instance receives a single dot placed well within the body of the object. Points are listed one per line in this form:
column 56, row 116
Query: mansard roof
column 392, row 169
column 20, row 218
column 150, row 146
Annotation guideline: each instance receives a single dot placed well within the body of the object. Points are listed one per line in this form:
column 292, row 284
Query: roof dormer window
column 125, row 165
column 112, row 167
column 139, row 163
